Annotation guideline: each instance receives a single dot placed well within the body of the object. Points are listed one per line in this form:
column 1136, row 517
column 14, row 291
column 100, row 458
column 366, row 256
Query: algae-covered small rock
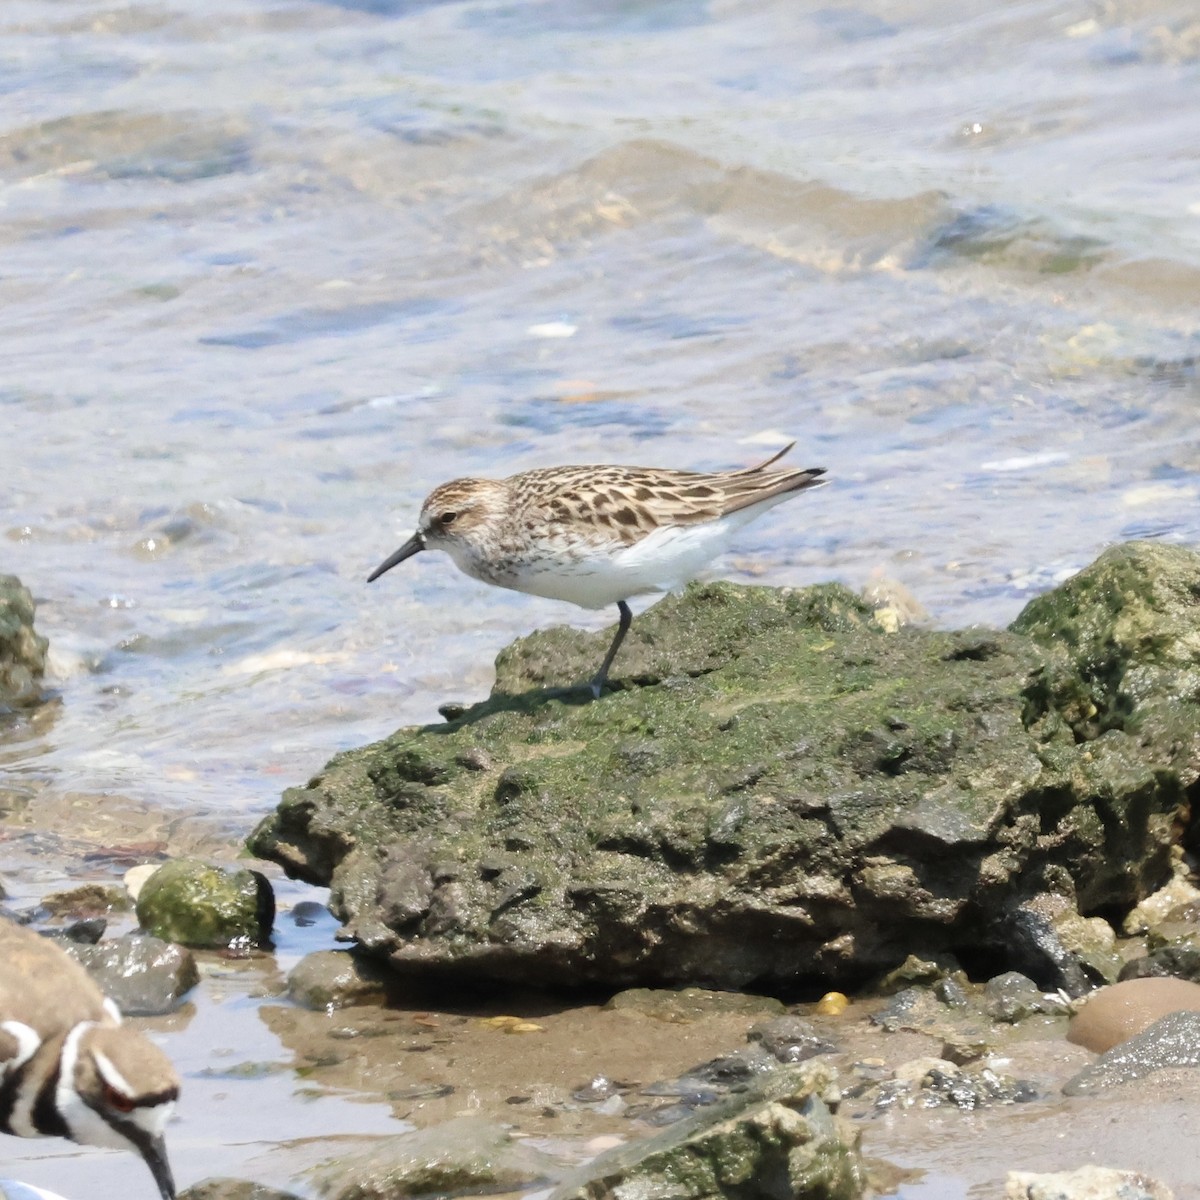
column 88, row 900
column 195, row 904
column 329, row 979
column 22, row 651
column 466, row 1154
column 778, row 1139
column 915, row 971
column 1179, row 895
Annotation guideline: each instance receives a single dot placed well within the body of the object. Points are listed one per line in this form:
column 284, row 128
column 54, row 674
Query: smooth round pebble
column 1116, row 1013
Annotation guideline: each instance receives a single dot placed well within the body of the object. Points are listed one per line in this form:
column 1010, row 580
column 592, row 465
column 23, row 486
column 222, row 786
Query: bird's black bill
column 154, row 1151
column 414, row 545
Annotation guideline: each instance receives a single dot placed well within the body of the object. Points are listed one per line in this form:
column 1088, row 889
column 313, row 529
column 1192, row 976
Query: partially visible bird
column 68, row 1067
column 14, row 1189
column 596, row 535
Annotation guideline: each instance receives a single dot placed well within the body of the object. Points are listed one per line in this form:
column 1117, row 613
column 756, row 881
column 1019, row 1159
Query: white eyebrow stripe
column 112, row 1076
column 28, row 1040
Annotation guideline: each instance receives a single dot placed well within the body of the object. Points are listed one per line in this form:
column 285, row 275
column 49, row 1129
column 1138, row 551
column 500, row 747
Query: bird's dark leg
column 622, row 629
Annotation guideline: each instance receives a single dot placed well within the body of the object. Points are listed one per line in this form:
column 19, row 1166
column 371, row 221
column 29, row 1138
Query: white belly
column 661, row 562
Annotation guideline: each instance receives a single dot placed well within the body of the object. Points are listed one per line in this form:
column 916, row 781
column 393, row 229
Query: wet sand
column 272, row 1090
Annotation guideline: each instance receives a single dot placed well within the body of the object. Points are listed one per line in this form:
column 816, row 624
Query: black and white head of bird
column 113, row 1088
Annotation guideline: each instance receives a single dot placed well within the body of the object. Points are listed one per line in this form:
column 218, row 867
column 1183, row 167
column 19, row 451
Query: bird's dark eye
column 448, row 518
column 118, row 1100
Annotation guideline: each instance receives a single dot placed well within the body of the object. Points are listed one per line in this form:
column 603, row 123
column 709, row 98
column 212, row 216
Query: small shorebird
column 596, row 535
column 68, row 1067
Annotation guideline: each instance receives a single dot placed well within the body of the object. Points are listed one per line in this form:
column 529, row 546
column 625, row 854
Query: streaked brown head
column 453, row 518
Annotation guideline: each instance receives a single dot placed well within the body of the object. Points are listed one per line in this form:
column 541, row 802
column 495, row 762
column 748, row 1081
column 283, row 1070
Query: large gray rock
column 779, row 790
column 144, row 975
column 22, row 651
column 1172, row 1041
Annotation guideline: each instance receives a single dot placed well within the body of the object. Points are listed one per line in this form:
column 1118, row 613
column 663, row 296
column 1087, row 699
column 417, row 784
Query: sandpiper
column 68, row 1067
column 596, row 535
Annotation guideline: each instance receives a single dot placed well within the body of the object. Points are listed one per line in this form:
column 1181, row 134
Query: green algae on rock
column 779, row 791
column 195, row 904
column 777, row 1140
column 22, row 650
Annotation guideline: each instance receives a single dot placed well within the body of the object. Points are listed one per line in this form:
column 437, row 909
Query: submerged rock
column 779, row 791
column 330, row 979
column 682, row 1006
column 463, row 1155
column 778, row 1140
column 195, row 904
column 144, row 975
column 87, row 931
column 919, row 1010
column 233, row 1189
column 22, row 650
column 88, row 900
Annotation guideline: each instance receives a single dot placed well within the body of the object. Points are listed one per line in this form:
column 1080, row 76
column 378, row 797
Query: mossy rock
column 776, row 1140
column 777, row 791
column 22, row 650
column 195, row 904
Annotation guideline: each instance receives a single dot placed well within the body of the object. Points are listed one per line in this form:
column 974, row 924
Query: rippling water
column 272, row 269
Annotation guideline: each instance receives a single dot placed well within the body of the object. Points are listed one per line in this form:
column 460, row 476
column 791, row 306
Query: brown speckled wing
column 630, row 502
column 621, row 503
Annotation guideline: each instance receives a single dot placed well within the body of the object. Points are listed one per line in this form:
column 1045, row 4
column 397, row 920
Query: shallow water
column 243, row 1111
column 271, row 269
